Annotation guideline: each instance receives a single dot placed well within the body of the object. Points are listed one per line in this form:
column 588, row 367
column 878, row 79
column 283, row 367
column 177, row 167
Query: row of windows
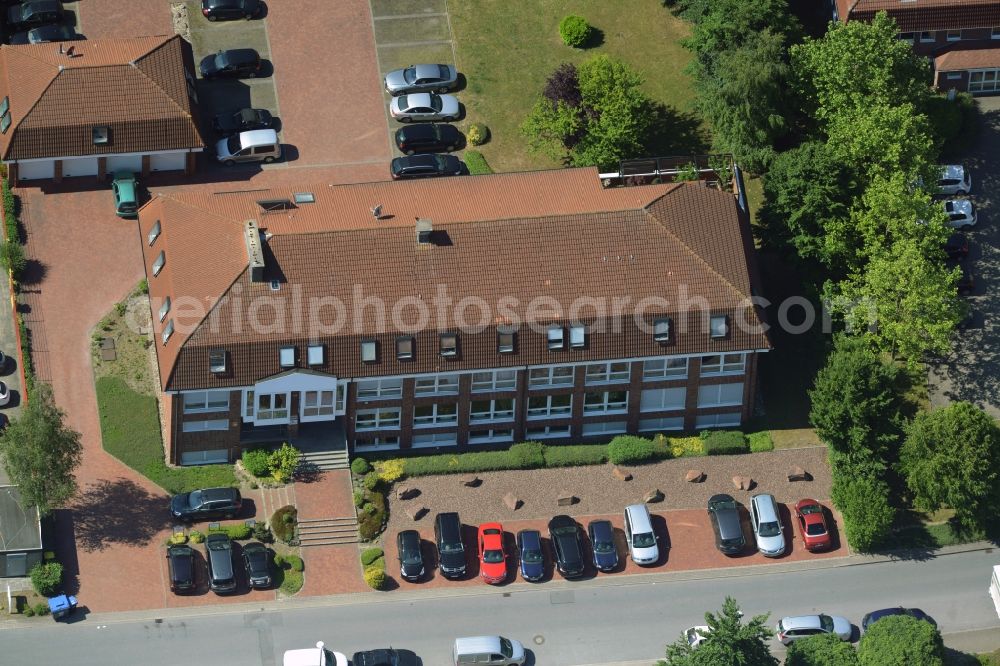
column 927, row 36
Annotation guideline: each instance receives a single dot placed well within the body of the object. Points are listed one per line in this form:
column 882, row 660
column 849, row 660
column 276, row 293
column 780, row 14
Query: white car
column 767, row 525
column 317, row 656
column 696, row 635
column 4, row 395
column 961, row 213
column 791, row 629
column 639, row 535
column 955, row 179
column 424, row 106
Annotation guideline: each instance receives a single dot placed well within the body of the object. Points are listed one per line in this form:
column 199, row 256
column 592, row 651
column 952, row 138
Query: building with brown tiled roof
column 938, row 27
column 93, row 107
column 450, row 313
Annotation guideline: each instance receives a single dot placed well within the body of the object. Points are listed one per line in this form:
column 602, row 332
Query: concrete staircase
column 328, row 531
column 324, row 460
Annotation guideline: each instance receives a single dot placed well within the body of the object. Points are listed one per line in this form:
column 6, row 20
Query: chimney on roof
column 424, row 231
column 255, row 253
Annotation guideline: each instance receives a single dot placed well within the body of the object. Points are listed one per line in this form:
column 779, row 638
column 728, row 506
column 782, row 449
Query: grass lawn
column 918, row 530
column 506, row 50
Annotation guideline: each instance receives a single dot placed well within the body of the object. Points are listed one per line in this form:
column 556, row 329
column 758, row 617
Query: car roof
column 602, row 528
column 530, row 538
column 409, row 538
column 639, row 516
column 255, row 547
column 418, row 99
column 311, row 657
column 426, row 69
column 449, row 524
column 423, row 159
column 767, row 507
column 801, row 622
column 239, row 54
column 477, row 644
column 219, row 493
column 217, row 537
column 258, row 137
column 953, row 171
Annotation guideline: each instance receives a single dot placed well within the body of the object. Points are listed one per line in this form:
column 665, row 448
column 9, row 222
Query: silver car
column 424, row 106
column 791, row 629
column 961, row 213
column 767, row 525
column 421, row 78
column 955, row 179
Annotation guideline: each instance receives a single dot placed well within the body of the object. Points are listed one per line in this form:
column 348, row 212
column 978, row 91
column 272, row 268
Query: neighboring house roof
column 137, row 87
column 967, row 58
column 923, row 15
column 20, row 527
column 554, row 234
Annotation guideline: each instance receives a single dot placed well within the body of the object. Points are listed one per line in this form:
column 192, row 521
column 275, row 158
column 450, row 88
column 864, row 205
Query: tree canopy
column 821, row 650
column 730, row 642
column 901, row 640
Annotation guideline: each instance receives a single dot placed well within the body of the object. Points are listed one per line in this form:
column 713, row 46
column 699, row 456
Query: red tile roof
column 970, row 58
column 136, row 86
column 921, row 15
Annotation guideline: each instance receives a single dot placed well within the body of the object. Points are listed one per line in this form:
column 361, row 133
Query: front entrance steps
column 328, row 531
column 321, row 461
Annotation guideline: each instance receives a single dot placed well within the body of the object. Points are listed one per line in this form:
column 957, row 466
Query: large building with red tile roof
column 452, row 314
column 89, row 108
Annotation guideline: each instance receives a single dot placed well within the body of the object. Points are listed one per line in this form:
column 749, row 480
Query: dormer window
column 404, row 348
column 369, row 351
column 217, row 361
column 449, row 344
column 286, row 357
column 555, row 337
column 314, row 355
column 577, row 336
column 505, row 340
column 154, row 233
column 158, row 264
column 101, row 135
column 661, row 330
column 165, row 308
column 718, row 326
column 168, row 330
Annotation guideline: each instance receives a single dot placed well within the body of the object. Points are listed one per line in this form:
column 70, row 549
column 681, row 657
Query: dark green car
column 126, row 190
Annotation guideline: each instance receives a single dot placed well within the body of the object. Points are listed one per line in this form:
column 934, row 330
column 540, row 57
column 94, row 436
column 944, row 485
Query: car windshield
column 769, row 529
column 493, row 556
column 531, row 556
column 506, row 648
column 815, row 529
column 218, row 545
column 826, row 622
column 644, row 540
column 436, row 102
column 194, row 499
column 404, row 101
column 723, row 504
column 233, row 144
column 410, row 74
column 732, row 543
column 604, row 547
column 811, row 508
column 411, row 557
column 693, row 636
column 450, row 547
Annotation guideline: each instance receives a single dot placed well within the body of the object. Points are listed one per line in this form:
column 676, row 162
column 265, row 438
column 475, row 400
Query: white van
column 317, row 656
column 253, row 146
column 488, row 650
column 995, row 588
column 640, row 536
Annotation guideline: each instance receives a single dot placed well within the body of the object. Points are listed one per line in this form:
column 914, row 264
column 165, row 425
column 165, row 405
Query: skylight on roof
column 304, row 197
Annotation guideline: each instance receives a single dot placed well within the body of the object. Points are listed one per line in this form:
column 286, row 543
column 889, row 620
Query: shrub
column 478, row 134
column 41, row 608
column 295, row 562
column 575, row 31
column 528, row 455
column 194, row 536
column 577, row 454
column 370, row 524
column 29, row 612
column 257, row 462
column 12, row 255
column 283, row 462
column 369, row 555
column 629, row 449
column 389, row 471
column 563, row 85
column 864, row 504
column 687, row 446
column 360, row 466
column 238, row 532
column 369, row 508
column 476, row 163
column 724, row 442
column 375, row 578
column 279, row 561
column 359, row 499
column 283, row 523
column 372, row 482
column 46, row 578
column 760, row 442
column 262, row 533
column 177, row 539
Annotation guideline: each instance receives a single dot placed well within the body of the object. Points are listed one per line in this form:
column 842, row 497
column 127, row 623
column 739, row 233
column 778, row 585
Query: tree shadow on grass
column 676, row 132
column 118, row 512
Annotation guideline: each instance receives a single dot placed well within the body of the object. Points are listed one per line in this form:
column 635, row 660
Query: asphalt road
column 613, row 620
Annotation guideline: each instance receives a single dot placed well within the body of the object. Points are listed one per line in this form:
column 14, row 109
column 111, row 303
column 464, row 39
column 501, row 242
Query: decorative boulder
column 743, row 482
column 694, row 476
column 471, row 481
column 415, row 511
column 621, row 474
column 566, row 499
column 406, row 492
column 654, row 495
column 796, row 473
column 512, row 502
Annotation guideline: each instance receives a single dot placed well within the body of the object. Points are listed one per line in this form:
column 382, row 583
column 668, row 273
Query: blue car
column 529, row 548
column 870, row 618
column 602, row 540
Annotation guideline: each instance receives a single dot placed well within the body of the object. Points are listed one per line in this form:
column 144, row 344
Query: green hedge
column 371, row 523
column 630, row 449
column 724, row 442
column 46, row 578
column 11, row 251
column 360, row 466
column 572, row 455
column 237, row 532
column 760, row 442
column 283, row 523
column 257, row 462
column 575, row 31
column 476, row 163
column 528, row 455
column 369, row 555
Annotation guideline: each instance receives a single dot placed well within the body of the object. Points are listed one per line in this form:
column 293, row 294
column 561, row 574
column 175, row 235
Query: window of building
column 272, row 406
column 206, row 401
column 549, row 406
column 404, row 348
column 608, row 373
column 607, row 428
column 555, row 337
column 286, row 357
column 217, row 360
column 577, row 336
column 505, row 340
column 906, row 36
column 718, row 326
column 168, row 330
column 661, row 424
column 317, row 403
column 377, row 419
column 494, row 380
column 165, row 308
column 954, row 76
column 490, row 436
column 501, row 409
column 158, row 264
column 723, row 364
column 726, row 420
column 275, row 285
column 376, row 443
column 314, row 355
column 436, row 385
column 927, row 36
column 605, row 402
column 369, row 351
column 380, row 389
column 206, row 426
column 720, row 395
column 544, row 432
column 984, row 80
column 154, row 233
column 664, row 368
column 248, row 403
column 425, row 416
column 995, row 33
column 954, row 35
column 658, row 400
column 449, row 344
column 661, row 330
column 424, row 441
column 542, row 377
column 100, row 134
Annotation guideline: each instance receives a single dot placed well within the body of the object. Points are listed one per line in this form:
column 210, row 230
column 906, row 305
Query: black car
column 529, row 550
column 428, row 138
column 724, row 514
column 32, row 14
column 180, row 562
column 868, row 619
column 451, row 549
column 966, row 281
column 384, row 657
column 206, row 503
column 237, row 63
column 226, row 10
column 257, row 560
column 411, row 560
column 243, row 120
column 422, row 166
column 219, row 555
column 602, row 541
column 44, row 34
column 566, row 541
column 957, row 245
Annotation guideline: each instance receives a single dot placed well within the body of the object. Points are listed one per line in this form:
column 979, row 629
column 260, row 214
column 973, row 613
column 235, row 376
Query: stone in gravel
column 694, row 476
column 406, row 492
column 654, row 495
column 415, row 512
column 512, row 502
column 470, row 480
column 566, row 499
column 796, row 473
column 621, row 474
column 743, row 482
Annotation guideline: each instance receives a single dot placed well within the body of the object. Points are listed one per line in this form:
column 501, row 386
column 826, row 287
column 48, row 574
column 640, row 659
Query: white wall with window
column 549, row 406
column 607, row 373
column 436, row 385
column 322, row 397
column 436, row 414
column 424, row 441
column 494, row 380
column 486, row 411
column 317, row 405
column 605, row 402
column 658, row 400
column 720, row 395
column 665, row 368
column 198, row 402
column 555, row 376
column 724, row 420
column 605, row 428
column 715, row 365
column 661, row 424
column 210, row 457
column 377, row 419
column 491, row 436
column 379, row 389
column 545, row 432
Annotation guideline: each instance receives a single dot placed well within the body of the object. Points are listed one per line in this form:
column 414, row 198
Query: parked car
column 206, row 503
column 3, row 362
column 125, row 187
column 226, row 10
column 429, row 138
column 529, row 549
column 492, row 558
column 724, row 514
column 35, row 13
column 253, row 146
column 424, row 106
column 566, row 543
column 961, row 213
column 243, row 120
column 639, row 535
column 812, row 523
column 219, row 555
column 791, row 629
column 602, row 542
column 766, row 523
column 423, row 166
column 448, row 539
column 872, row 617
column 257, row 561
column 384, row 657
column 697, row 635
column 4, row 395
column 957, row 245
column 492, row 650
column 411, row 560
column 421, row 78
column 966, row 281
column 180, row 565
column 313, row 656
column 955, row 179
column 44, row 34
column 237, row 63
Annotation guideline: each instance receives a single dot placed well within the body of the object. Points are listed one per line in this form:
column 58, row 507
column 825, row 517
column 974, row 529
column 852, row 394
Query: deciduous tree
column 821, row 650
column 730, row 642
column 901, row 640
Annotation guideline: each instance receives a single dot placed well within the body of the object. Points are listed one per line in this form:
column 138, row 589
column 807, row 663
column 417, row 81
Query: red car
column 492, row 558
column 812, row 523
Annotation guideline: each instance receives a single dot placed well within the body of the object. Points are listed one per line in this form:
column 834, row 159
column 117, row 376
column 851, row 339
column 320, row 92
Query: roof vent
column 304, row 197
column 424, row 231
column 255, row 252
column 275, row 205
column 377, row 211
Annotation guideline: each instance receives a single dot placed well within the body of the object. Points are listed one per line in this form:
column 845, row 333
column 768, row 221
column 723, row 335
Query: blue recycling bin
column 62, row 606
